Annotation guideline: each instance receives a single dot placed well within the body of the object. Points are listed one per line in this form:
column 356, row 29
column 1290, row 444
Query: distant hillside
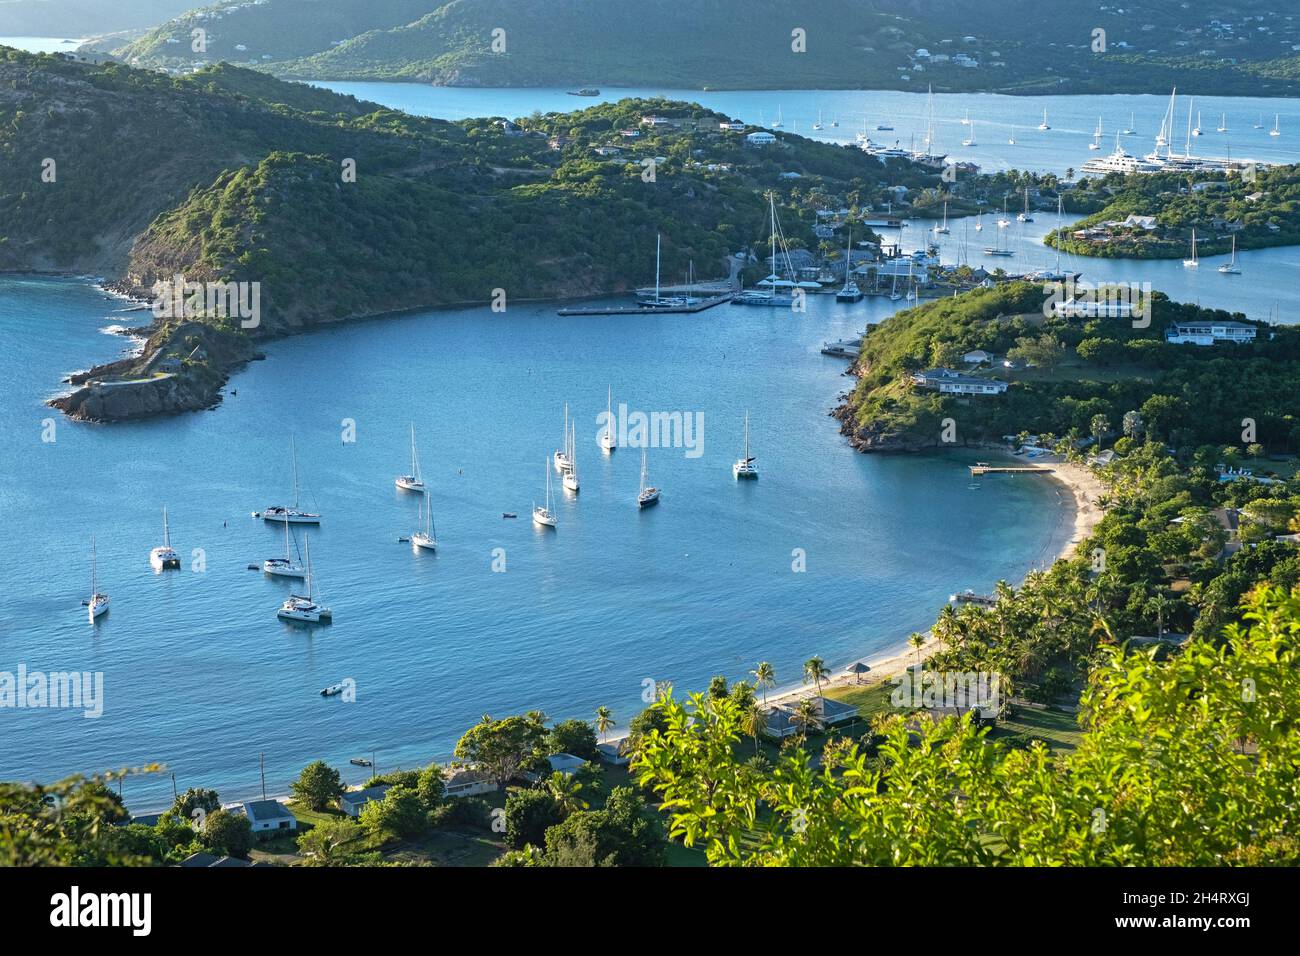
column 1018, row 46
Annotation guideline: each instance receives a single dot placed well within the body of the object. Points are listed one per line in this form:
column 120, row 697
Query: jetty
column 845, row 348
column 652, row 310
column 984, row 468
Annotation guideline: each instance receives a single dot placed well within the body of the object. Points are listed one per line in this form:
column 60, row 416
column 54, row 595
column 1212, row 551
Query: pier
column 652, row 310
column 844, row 349
column 984, row 468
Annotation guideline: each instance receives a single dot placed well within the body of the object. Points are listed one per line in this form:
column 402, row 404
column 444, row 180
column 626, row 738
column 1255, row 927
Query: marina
column 683, row 309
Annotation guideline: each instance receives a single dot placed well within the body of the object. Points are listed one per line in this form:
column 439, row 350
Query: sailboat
column 1193, row 262
column 894, row 295
column 1004, row 221
column 999, row 248
column 561, row 457
column 778, row 289
column 818, row 124
column 850, row 291
column 607, row 441
column 284, row 567
column 834, row 122
column 776, row 123
column 979, row 221
column 291, row 515
column 98, row 603
column 302, row 607
column 1275, row 131
column 570, row 479
column 544, row 516
column 1096, row 136
column 1024, row 216
column 1223, row 124
column 1196, row 130
column 413, row 481
column 911, row 281
column 426, row 538
column 942, row 230
column 164, row 557
column 1011, row 140
column 1230, row 268
column 648, row 495
column 1132, row 127
column 1260, row 124
column 970, row 139
column 744, row 467
column 965, row 120
column 1044, row 124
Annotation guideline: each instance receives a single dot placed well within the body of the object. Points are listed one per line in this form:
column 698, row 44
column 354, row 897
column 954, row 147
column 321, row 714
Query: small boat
column 1230, row 268
column 607, row 440
column 360, row 762
column 884, row 126
column 834, row 121
column 1044, row 124
column 648, row 495
column 1194, row 261
column 284, row 567
column 426, row 538
column 979, row 222
column 290, row 515
column 544, row 516
column 413, row 481
column 561, row 457
column 776, row 123
column 744, row 467
column 333, row 690
column 301, row 607
column 508, row 514
column 570, row 479
column 585, row 91
column 1275, row 131
column 98, row 603
column 164, row 557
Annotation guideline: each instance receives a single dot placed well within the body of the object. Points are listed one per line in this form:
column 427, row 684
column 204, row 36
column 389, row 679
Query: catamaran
column 302, row 607
column 164, row 557
column 1193, row 262
column 744, row 467
column 544, row 515
column 1044, row 124
column 291, row 515
column 426, row 538
column 607, row 441
column 1230, row 267
column 98, row 603
column 570, row 480
column 284, row 567
column 648, row 495
column 414, row 481
column 561, row 457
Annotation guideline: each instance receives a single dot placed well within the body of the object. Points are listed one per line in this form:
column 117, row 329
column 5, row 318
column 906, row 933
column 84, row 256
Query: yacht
column 1193, row 262
column 426, row 538
column 1132, row 127
column 1119, row 162
column 1096, row 136
column 1223, row 124
column 648, row 495
column 965, row 120
column 979, row 221
column 607, row 440
column 1260, row 124
column 561, row 456
column 164, row 558
column 776, row 123
column 1196, row 130
column 414, row 481
column 570, row 479
column 1230, row 268
column 744, row 467
column 884, row 127
column 1011, row 140
column 291, row 515
column 98, row 603
column 284, row 567
column 942, row 229
column 1275, row 131
column 818, row 124
column 1044, row 124
column 1024, row 216
column 303, row 608
column 545, row 516
column 970, row 139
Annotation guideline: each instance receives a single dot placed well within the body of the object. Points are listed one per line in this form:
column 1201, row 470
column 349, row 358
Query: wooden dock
column 641, row 310
column 983, row 468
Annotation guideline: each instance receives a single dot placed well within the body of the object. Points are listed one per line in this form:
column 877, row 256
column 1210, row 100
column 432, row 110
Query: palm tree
column 917, row 641
column 604, row 721
column 947, row 626
column 764, row 677
column 755, row 723
column 806, row 715
column 1099, row 425
column 564, row 790
column 814, row 671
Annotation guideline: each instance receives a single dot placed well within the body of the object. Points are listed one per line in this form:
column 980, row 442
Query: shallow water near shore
column 199, row 673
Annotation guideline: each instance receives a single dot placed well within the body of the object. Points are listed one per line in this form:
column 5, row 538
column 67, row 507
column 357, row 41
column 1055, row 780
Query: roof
column 369, row 793
column 267, row 810
column 566, row 763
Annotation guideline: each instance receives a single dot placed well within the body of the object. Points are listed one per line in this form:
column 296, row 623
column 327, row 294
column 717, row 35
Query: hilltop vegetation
column 1022, row 46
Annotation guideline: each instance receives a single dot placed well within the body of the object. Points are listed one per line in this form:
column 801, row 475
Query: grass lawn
column 1059, row 730
column 870, row 699
column 449, row 846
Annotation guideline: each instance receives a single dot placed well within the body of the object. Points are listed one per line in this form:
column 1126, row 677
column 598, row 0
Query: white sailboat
column 291, row 515
column 965, row 120
column 1096, row 136
column 970, row 138
column 544, row 516
column 1024, row 216
column 164, row 557
column 1275, row 131
column 818, row 124
column 776, row 123
column 1194, row 261
column 1196, row 130
column 979, row 221
column 1230, row 268
column 285, row 567
column 1044, row 124
column 607, row 441
column 303, row 607
column 414, row 481
column 561, row 457
column 570, row 480
column 1011, row 140
column 98, row 603
column 834, row 122
column 1260, row 124
column 426, row 538
column 1132, row 127
column 849, row 292
column 648, row 495
column 942, row 230
column 1223, row 124
column 744, row 467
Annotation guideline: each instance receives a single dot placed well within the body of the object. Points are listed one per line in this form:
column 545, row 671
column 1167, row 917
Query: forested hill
column 1019, row 46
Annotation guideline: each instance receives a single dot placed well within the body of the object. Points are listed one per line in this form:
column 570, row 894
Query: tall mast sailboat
column 1194, row 261
column 850, row 291
column 98, row 603
column 414, row 481
column 426, row 537
column 164, row 557
column 607, row 441
column 303, row 607
column 1230, row 267
column 291, row 515
column 744, row 467
column 942, row 229
column 284, row 567
column 648, row 495
column 544, row 515
column 1044, row 124
column 561, row 456
column 570, row 479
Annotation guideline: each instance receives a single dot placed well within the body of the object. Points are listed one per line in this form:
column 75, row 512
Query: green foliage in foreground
column 1189, row 761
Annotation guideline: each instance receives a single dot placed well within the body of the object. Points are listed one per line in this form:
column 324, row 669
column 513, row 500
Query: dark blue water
column 201, row 675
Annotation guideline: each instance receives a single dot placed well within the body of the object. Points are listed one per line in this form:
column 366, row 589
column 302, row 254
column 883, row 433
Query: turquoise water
column 199, row 673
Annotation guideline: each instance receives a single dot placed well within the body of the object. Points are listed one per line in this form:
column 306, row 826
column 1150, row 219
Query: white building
column 467, row 782
column 760, row 138
column 1209, row 332
column 267, row 815
column 951, row 382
